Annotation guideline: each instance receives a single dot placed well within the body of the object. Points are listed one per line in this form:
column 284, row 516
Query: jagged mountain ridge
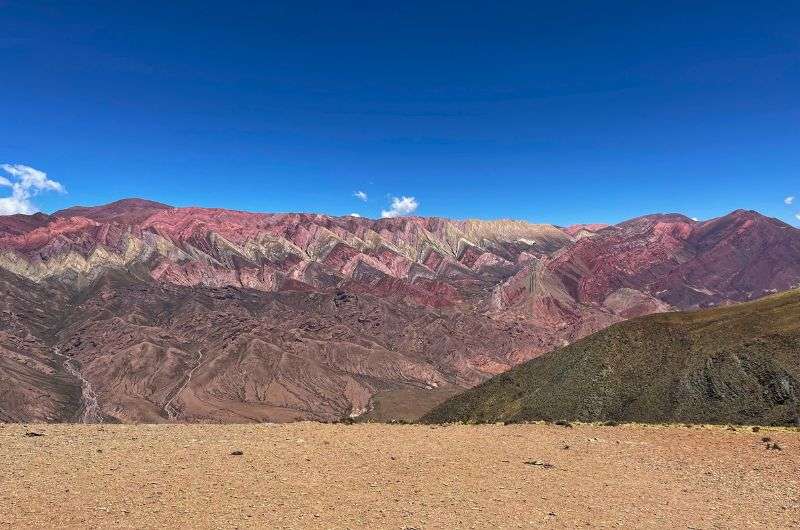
column 287, row 316
column 273, row 252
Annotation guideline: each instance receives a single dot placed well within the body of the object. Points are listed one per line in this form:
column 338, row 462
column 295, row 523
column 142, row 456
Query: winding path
column 91, row 409
column 169, row 407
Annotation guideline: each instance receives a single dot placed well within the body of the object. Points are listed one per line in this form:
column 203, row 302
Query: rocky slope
column 735, row 364
column 164, row 313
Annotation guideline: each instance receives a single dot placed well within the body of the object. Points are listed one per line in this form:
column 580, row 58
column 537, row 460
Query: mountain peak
column 136, row 202
column 131, row 210
column 750, row 215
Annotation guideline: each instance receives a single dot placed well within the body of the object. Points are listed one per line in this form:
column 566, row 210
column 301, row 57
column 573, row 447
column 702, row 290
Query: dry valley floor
column 397, row 476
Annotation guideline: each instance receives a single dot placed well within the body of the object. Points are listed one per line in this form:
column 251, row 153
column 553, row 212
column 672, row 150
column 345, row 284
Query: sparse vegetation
column 733, row 365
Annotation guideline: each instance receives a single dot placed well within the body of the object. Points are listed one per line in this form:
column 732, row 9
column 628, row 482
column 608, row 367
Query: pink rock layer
column 198, row 314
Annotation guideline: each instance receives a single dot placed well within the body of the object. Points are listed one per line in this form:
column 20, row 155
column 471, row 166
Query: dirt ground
column 308, row 475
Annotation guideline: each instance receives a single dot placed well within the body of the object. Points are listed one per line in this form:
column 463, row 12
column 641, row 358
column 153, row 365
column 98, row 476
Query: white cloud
column 401, row 206
column 797, row 215
column 355, row 215
column 25, row 183
column 789, row 200
column 695, row 219
column 360, row 195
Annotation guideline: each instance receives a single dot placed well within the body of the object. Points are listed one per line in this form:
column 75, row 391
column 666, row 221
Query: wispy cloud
column 797, row 215
column 401, row 206
column 355, row 215
column 360, row 195
column 789, row 200
column 25, row 183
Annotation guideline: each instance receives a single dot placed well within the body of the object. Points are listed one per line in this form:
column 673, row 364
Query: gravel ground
column 397, row 476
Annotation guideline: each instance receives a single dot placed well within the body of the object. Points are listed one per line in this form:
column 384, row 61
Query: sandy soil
column 383, row 476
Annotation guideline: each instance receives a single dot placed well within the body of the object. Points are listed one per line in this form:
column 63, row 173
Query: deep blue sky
column 558, row 112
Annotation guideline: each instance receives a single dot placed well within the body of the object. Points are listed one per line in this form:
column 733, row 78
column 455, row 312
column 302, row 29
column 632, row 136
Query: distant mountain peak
column 132, row 210
column 119, row 205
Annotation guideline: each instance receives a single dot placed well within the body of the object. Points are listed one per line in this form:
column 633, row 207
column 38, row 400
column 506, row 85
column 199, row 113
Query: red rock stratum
column 137, row 311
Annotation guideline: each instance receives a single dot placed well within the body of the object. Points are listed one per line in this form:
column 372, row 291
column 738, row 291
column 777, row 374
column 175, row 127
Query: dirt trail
column 309, row 475
column 90, row 408
column 169, row 405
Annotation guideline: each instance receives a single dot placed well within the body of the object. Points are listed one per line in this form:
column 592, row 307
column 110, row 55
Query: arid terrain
column 398, row 476
column 136, row 311
column 735, row 364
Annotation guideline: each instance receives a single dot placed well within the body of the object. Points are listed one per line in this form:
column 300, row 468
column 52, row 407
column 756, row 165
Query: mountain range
column 137, row 311
column 733, row 364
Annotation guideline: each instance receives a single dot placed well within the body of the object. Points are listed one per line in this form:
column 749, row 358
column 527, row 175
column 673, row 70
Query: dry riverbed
column 397, row 476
